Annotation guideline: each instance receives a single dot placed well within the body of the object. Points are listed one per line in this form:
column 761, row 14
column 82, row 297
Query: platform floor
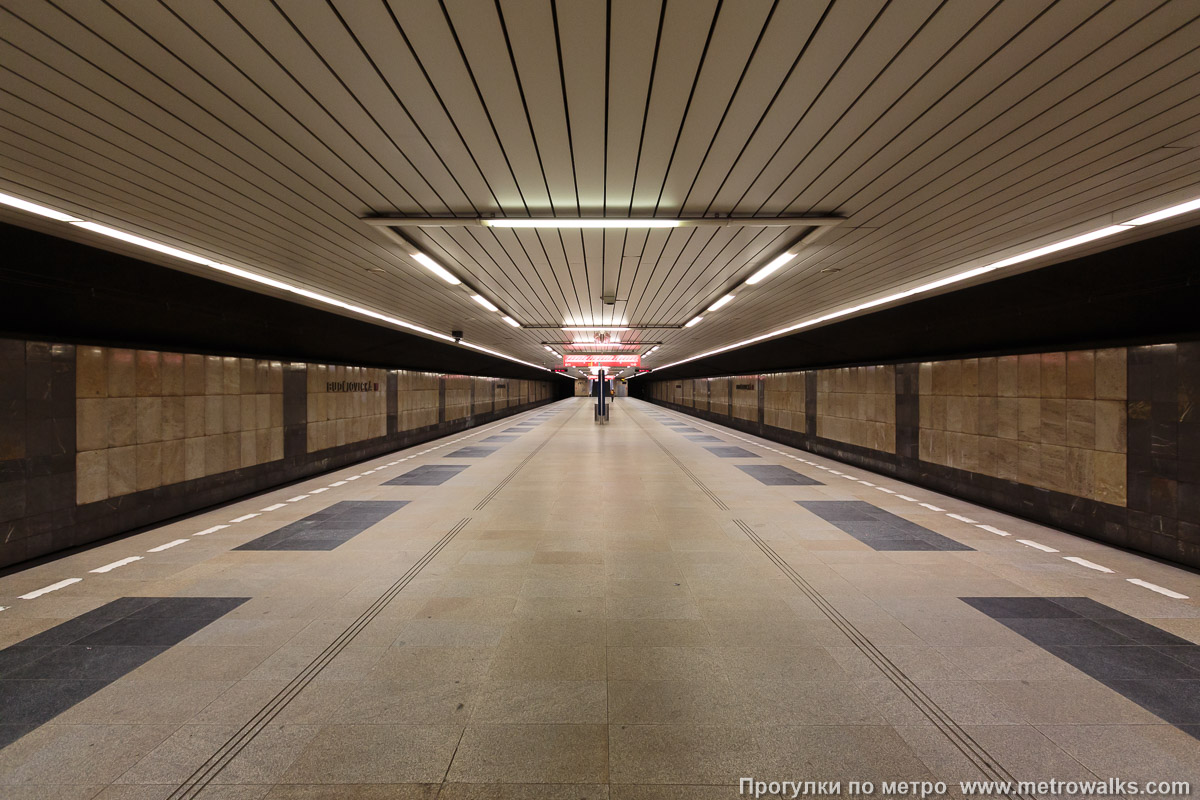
column 584, row 611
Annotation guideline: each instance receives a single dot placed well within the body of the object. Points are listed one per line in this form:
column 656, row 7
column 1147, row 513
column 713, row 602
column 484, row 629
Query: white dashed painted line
column 167, row 546
column 297, row 498
column 1154, row 587
column 4, row 608
column 244, row 517
column 906, row 497
column 213, row 529
column 318, row 491
column 996, row 531
column 354, row 477
column 1083, row 562
column 882, row 489
column 834, row 472
column 961, row 518
column 54, row 587
column 867, row 483
column 336, row 483
column 1037, row 545
column 931, row 507
column 275, row 507
column 115, row 564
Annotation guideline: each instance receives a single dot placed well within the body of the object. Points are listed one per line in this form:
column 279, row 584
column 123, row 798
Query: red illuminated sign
column 601, row 360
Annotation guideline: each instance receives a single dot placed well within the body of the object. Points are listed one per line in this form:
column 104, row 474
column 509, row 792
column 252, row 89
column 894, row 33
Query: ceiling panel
column 260, row 134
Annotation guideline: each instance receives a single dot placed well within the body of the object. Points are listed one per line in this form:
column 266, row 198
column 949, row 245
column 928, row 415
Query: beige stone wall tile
column 173, row 418
column 194, row 415
column 232, row 444
column 91, row 372
column 1029, row 423
column 1054, row 375
column 955, row 410
column 1110, row 374
column 247, row 376
column 122, row 470
column 193, row 458
column 1007, row 376
column 148, row 373
column 1110, row 477
column 214, row 375
column 214, row 454
column 1110, row 426
column 149, row 466
column 1008, row 455
column 1008, row 417
column 193, row 374
column 230, row 375
column 1081, row 374
column 91, row 476
column 172, row 374
column 173, row 462
column 231, row 412
column 122, row 421
column 276, row 386
column 989, row 385
column 989, row 415
column 1029, row 375
column 1080, row 473
column 1054, row 421
column 248, row 446
column 969, row 385
column 1081, row 424
column 121, row 373
column 940, row 414
column 1054, row 468
column 1029, row 463
column 248, row 412
column 277, row 444
column 91, row 424
column 149, row 419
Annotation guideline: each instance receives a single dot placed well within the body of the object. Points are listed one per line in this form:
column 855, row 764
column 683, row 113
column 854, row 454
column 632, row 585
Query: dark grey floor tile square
column 1075, row 631
column 18, row 655
column 499, row 439
column 147, row 632
column 328, row 528
column 1020, row 607
column 427, row 475
column 1124, row 663
column 776, row 475
column 10, row 733
column 1189, row 654
column 471, row 452
column 207, row 607
column 688, row 430
column 1145, row 633
column 880, row 529
column 1178, row 702
column 81, row 662
column 731, row 451
column 34, row 702
column 703, row 437
column 903, row 544
column 514, row 430
column 840, row 510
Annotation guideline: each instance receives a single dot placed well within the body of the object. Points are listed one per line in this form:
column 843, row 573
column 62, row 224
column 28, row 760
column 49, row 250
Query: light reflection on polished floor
column 588, row 612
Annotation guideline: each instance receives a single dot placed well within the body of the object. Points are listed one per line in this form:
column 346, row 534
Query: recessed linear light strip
column 1029, row 255
column 149, row 244
column 599, row 222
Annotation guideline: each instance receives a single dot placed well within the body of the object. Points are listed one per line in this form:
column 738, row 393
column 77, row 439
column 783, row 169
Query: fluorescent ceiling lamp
column 769, row 268
column 436, row 268
column 692, row 321
column 483, row 301
column 511, row 321
column 104, row 230
column 34, row 208
column 1173, row 211
column 925, row 287
column 273, row 283
column 579, row 329
column 581, row 223
column 655, row 348
column 723, row 301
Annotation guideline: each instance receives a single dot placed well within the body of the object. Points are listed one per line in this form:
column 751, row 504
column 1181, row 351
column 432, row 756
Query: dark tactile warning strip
column 703, row 437
column 879, row 529
column 428, row 475
column 687, row 430
column 515, row 429
column 475, row 451
column 500, row 439
column 776, row 475
column 1155, row 669
column 731, row 451
column 328, row 528
column 46, row 674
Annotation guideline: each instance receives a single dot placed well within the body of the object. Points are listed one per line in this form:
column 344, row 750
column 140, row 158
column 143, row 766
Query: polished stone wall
column 1101, row 442
column 96, row 440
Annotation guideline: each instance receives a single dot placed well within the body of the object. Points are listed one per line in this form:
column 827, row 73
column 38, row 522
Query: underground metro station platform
column 599, row 400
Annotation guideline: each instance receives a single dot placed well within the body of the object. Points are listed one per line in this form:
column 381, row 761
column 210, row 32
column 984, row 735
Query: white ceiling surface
column 259, row 134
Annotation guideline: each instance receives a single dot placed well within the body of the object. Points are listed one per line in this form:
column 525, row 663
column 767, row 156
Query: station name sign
column 600, row 360
column 352, row 386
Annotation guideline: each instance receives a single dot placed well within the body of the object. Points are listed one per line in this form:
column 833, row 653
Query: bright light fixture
column 104, row 230
column 655, row 348
column 581, row 223
column 436, row 268
column 778, row 262
column 483, row 301
column 723, row 301
column 34, row 208
column 1074, row 241
column 692, row 321
column 1173, row 211
column 511, row 321
column 260, row 279
column 580, row 329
